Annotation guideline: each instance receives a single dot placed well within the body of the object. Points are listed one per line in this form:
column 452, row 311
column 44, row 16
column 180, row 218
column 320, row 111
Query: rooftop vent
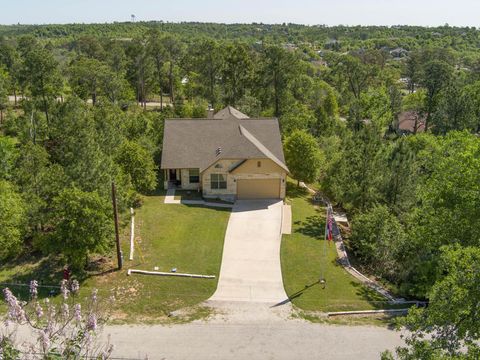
column 218, row 151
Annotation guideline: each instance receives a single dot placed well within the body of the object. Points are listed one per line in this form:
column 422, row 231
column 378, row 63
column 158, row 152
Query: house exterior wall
column 185, row 176
column 267, row 170
column 231, row 189
column 247, row 170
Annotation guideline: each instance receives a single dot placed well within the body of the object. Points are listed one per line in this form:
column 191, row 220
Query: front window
column 218, row 181
column 194, row 176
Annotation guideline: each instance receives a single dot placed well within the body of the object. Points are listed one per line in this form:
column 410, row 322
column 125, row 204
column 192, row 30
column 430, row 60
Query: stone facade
column 250, row 169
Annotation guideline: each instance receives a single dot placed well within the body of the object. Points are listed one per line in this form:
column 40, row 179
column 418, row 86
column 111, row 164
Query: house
column 399, row 53
column 226, row 155
column 410, row 122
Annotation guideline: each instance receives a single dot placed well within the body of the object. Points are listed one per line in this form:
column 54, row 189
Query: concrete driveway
column 250, row 268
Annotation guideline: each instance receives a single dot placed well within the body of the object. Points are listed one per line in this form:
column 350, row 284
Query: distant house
column 399, row 53
column 410, row 122
column 226, row 155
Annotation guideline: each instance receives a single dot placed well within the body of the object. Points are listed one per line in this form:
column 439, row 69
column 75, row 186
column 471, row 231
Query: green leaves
column 138, row 163
column 303, row 156
column 448, row 328
column 12, row 220
column 82, row 224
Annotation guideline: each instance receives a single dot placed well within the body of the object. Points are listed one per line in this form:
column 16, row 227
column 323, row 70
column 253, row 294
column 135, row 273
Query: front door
column 172, row 175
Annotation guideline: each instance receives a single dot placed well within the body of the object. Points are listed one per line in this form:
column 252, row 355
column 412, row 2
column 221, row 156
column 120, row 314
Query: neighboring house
column 227, row 155
column 399, row 53
column 410, row 122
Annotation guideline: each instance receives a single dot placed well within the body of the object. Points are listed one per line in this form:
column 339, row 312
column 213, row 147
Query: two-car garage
column 258, row 189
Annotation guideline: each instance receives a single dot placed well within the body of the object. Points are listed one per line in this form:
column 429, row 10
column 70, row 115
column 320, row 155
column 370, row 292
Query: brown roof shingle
column 194, row 143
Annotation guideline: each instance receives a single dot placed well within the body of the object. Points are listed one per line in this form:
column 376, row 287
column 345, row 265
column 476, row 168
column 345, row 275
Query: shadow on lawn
column 48, row 271
column 313, row 226
column 296, row 294
column 371, row 296
column 294, row 191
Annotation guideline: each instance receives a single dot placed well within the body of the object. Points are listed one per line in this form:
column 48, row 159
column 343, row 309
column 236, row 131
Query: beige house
column 227, row 155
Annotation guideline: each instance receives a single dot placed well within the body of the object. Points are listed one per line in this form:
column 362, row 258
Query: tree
column 8, row 155
column 207, row 60
column 303, row 156
column 413, row 71
column 236, row 72
column 377, row 239
column 10, row 60
column 455, row 110
column 357, row 178
column 39, row 74
column 85, row 74
column 174, row 51
column 298, row 117
column 82, row 225
column 140, row 70
column 138, row 163
column 323, row 100
column 92, row 79
column 278, row 69
column 435, row 77
column 448, row 206
column 4, row 87
column 448, row 328
column 157, row 51
column 12, row 220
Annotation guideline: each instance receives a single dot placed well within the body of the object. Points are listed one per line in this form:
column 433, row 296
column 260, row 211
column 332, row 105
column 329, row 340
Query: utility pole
column 115, row 218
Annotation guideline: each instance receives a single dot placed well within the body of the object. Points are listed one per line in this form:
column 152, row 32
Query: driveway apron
column 251, row 269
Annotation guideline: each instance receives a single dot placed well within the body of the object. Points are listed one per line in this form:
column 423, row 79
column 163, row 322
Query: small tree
column 137, row 162
column 303, row 156
column 82, row 224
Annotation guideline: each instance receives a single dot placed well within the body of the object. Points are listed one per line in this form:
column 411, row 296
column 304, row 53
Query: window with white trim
column 218, row 181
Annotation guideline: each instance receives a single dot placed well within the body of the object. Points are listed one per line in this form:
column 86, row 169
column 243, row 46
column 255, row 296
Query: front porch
column 181, row 179
column 172, row 179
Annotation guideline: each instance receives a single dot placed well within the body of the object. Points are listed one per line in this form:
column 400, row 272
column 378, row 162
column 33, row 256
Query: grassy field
column 188, row 238
column 304, row 258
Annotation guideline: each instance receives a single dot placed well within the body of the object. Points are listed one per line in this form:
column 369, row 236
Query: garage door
column 258, row 189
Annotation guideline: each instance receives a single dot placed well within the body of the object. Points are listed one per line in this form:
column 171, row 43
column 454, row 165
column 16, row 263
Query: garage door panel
column 258, row 188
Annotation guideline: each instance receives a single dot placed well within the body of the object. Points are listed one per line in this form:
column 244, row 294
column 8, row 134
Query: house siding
column 247, row 170
column 185, row 176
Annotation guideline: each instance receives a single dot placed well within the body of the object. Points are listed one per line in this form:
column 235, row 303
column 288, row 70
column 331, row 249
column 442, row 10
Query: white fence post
column 132, row 232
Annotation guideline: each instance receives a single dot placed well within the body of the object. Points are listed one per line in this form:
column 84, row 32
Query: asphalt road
column 252, row 341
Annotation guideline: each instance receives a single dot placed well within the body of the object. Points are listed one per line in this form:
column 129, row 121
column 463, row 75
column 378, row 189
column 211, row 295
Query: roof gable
column 230, row 111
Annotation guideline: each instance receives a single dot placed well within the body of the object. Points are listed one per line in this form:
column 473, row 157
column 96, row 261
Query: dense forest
column 389, row 118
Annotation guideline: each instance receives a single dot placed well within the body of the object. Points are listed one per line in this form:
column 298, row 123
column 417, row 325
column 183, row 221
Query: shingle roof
column 228, row 112
column 194, row 143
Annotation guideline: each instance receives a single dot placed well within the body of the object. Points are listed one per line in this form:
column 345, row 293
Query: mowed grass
column 305, row 256
column 188, row 238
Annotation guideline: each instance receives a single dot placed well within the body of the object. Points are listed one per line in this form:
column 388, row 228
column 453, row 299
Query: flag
column 330, row 227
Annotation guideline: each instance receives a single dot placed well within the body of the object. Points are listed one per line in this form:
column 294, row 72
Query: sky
column 310, row 12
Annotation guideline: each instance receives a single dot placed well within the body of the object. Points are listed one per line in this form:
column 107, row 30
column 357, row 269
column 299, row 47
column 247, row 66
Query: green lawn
column 189, row 238
column 303, row 258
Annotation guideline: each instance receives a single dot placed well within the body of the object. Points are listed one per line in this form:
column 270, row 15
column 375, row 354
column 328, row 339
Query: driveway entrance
column 251, row 268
